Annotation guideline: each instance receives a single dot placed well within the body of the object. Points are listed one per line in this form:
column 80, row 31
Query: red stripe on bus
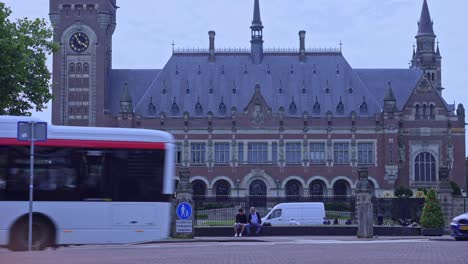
column 87, row 143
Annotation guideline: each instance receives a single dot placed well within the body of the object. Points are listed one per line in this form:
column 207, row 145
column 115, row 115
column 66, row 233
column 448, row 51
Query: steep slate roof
column 403, row 81
column 138, row 82
column 277, row 71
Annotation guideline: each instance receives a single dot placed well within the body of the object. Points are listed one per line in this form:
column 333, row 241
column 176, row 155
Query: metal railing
column 194, row 50
column 221, row 210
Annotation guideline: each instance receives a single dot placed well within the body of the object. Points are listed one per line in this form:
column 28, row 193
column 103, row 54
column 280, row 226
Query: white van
column 295, row 214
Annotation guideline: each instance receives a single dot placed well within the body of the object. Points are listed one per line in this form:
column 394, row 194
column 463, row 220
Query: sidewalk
column 280, row 239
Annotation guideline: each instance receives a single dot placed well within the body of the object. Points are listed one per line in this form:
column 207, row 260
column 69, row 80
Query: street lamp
column 278, row 186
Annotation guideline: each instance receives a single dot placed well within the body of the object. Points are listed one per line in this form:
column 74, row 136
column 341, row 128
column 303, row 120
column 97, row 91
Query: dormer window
column 198, row 108
column 316, row 107
column 175, row 108
column 363, row 108
column 222, row 107
column 340, row 107
column 293, row 107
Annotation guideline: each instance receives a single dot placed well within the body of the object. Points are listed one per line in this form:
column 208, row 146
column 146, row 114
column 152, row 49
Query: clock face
column 79, row 42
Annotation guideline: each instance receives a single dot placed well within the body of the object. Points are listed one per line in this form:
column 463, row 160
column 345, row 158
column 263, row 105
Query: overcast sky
column 375, row 33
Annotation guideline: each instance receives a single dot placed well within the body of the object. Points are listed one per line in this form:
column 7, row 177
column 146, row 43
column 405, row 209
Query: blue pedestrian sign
column 184, row 211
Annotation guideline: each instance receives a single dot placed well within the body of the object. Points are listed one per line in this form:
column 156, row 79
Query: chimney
column 212, row 35
column 302, row 45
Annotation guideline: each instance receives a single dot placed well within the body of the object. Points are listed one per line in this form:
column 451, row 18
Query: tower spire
column 257, row 21
column 257, row 35
column 425, row 25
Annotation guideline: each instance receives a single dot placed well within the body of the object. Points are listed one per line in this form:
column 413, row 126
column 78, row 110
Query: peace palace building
column 266, row 121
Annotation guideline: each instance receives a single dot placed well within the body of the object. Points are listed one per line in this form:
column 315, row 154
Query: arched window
column 424, row 111
column 222, row 189
column 418, row 114
column 317, row 188
column 257, row 191
column 71, row 68
column 293, row 190
column 425, row 168
column 341, row 188
column 199, row 187
column 78, row 68
column 432, row 111
column 86, row 68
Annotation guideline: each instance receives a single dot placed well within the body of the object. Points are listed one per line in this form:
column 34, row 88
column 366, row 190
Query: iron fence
column 397, row 211
column 221, row 210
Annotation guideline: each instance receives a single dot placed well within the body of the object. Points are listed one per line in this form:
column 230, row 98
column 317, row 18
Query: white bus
column 91, row 186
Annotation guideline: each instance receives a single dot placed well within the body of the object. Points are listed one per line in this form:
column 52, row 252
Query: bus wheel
column 42, row 234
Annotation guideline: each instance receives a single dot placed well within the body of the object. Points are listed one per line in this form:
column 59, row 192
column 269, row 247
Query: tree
column 403, row 192
column 432, row 216
column 24, row 77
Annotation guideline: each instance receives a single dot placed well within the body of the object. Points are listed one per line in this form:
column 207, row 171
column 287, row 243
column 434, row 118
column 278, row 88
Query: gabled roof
column 403, row 82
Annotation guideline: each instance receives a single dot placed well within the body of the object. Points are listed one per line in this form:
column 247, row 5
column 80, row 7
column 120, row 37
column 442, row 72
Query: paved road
column 271, row 251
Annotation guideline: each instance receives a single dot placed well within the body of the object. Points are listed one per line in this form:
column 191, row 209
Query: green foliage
column 337, row 206
column 456, row 189
column 423, row 190
column 403, row 192
column 432, row 216
column 24, row 77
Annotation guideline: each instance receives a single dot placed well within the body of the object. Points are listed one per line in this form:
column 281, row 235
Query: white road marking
column 356, row 241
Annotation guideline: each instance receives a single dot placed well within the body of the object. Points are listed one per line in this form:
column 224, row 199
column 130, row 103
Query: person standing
column 254, row 220
column 241, row 221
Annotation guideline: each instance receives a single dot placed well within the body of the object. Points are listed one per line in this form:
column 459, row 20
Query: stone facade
column 263, row 121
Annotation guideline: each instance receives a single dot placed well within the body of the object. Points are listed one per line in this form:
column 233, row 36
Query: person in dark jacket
column 241, row 221
column 254, row 220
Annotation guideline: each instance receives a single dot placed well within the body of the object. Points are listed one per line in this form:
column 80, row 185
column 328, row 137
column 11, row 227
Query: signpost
column 31, row 131
column 184, row 223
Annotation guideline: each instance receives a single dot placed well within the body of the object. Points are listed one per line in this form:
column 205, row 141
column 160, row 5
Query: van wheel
column 41, row 234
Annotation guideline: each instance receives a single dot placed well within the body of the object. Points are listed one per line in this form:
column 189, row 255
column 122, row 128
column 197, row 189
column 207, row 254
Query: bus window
column 93, row 185
column 137, row 174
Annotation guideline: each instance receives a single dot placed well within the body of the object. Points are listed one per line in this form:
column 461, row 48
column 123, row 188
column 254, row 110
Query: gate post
column 364, row 209
column 445, row 196
column 183, row 209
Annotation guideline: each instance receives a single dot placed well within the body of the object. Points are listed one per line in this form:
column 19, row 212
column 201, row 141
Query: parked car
column 459, row 227
column 295, row 214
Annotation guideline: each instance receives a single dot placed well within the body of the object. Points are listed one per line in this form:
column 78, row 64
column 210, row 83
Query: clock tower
column 81, row 67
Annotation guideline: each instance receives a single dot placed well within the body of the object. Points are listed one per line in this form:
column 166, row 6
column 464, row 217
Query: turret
column 257, row 35
column 426, row 56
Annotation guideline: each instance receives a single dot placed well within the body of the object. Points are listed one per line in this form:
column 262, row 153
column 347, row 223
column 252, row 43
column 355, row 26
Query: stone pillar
column 445, row 196
column 364, row 208
column 183, row 220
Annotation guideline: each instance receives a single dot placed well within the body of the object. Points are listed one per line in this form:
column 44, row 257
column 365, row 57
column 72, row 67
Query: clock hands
column 79, row 42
